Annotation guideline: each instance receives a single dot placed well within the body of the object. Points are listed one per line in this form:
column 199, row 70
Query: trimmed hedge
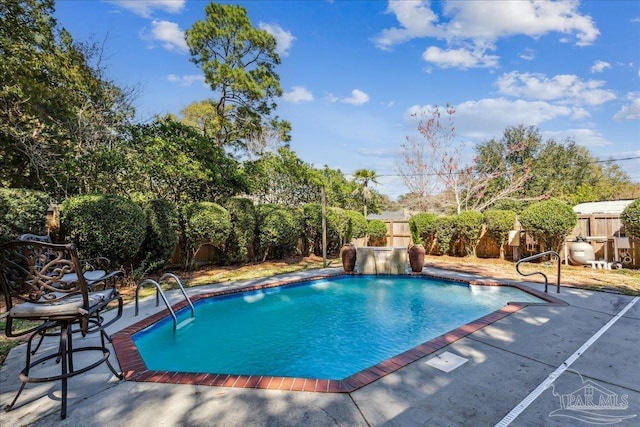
column 357, row 225
column 206, row 223
column 337, row 227
column 422, row 227
column 161, row 236
column 22, row 211
column 377, row 230
column 240, row 245
column 468, row 226
column 499, row 222
column 631, row 219
column 279, row 229
column 104, row 226
column 549, row 222
column 312, row 228
column 342, row 226
column 445, row 230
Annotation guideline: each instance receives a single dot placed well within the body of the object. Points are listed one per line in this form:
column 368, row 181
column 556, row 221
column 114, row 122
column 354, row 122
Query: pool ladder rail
column 540, row 255
column 160, row 293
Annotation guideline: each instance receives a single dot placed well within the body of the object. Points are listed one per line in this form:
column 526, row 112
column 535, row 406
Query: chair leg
column 42, row 335
column 66, row 360
column 65, row 355
column 103, row 336
column 24, row 375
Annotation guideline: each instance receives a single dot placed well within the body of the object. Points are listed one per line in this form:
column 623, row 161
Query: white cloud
column 146, row 7
column 416, row 20
column 528, row 54
column 169, row 34
column 381, row 152
column 284, row 39
column 600, row 66
column 487, row 118
column 460, row 58
column 631, row 111
column 298, row 94
column 563, row 87
column 358, row 97
column 480, row 24
column 187, row 79
column 331, row 98
column 490, row 20
column 584, row 137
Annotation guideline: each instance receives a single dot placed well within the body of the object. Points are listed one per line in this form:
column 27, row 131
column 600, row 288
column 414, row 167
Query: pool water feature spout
column 381, row 260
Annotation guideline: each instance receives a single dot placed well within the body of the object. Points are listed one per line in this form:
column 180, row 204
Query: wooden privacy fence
column 600, row 229
column 398, row 233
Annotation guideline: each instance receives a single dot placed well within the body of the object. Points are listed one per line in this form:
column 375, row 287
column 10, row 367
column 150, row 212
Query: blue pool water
column 326, row 329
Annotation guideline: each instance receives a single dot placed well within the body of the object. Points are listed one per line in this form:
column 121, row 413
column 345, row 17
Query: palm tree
column 362, row 177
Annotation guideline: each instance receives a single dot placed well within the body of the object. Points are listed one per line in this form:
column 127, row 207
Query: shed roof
column 389, row 215
column 611, row 206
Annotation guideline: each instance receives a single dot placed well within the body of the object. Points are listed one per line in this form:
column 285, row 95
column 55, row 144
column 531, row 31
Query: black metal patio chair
column 43, row 282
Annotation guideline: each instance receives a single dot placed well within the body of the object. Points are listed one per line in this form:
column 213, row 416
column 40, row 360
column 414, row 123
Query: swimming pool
column 332, row 329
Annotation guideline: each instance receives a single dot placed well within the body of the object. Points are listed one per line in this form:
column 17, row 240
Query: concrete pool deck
column 507, row 361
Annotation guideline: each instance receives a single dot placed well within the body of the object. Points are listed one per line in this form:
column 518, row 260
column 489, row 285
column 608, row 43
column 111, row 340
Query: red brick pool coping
column 134, row 368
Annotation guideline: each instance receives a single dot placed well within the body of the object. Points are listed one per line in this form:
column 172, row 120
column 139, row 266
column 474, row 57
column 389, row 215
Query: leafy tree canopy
column 282, row 178
column 58, row 111
column 563, row 170
column 238, row 61
column 170, row 160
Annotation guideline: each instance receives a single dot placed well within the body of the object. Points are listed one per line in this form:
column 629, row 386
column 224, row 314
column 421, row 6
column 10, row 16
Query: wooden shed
column 600, row 224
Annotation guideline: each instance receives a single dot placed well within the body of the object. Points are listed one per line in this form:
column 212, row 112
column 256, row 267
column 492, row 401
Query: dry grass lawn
column 624, row 281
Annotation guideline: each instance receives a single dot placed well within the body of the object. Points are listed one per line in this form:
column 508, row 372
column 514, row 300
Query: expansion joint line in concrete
column 359, row 410
column 520, row 407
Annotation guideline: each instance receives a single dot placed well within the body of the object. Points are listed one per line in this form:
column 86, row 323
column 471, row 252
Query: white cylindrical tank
column 581, row 252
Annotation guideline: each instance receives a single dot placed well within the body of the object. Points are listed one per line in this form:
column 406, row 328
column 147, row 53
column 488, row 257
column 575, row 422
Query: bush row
column 142, row 236
column 548, row 221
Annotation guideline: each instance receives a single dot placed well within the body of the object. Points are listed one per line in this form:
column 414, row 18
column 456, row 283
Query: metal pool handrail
column 159, row 293
column 540, row 255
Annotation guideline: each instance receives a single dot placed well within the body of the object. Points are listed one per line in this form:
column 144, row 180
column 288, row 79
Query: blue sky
column 353, row 72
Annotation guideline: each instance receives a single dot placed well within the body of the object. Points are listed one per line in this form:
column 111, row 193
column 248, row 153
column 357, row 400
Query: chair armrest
column 109, row 281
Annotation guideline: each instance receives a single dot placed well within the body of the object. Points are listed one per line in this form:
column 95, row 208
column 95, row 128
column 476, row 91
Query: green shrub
column 312, row 228
column 445, row 231
column 357, row 225
column 337, row 228
column 22, row 211
column 240, row 245
column 377, row 230
column 342, row 226
column 421, row 226
column 631, row 219
column 499, row 222
column 278, row 230
column 104, row 225
column 468, row 226
column 206, row 223
column 549, row 222
column 161, row 236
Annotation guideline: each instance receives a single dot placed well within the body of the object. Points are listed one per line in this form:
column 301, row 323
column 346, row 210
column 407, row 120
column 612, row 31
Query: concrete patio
column 507, row 361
